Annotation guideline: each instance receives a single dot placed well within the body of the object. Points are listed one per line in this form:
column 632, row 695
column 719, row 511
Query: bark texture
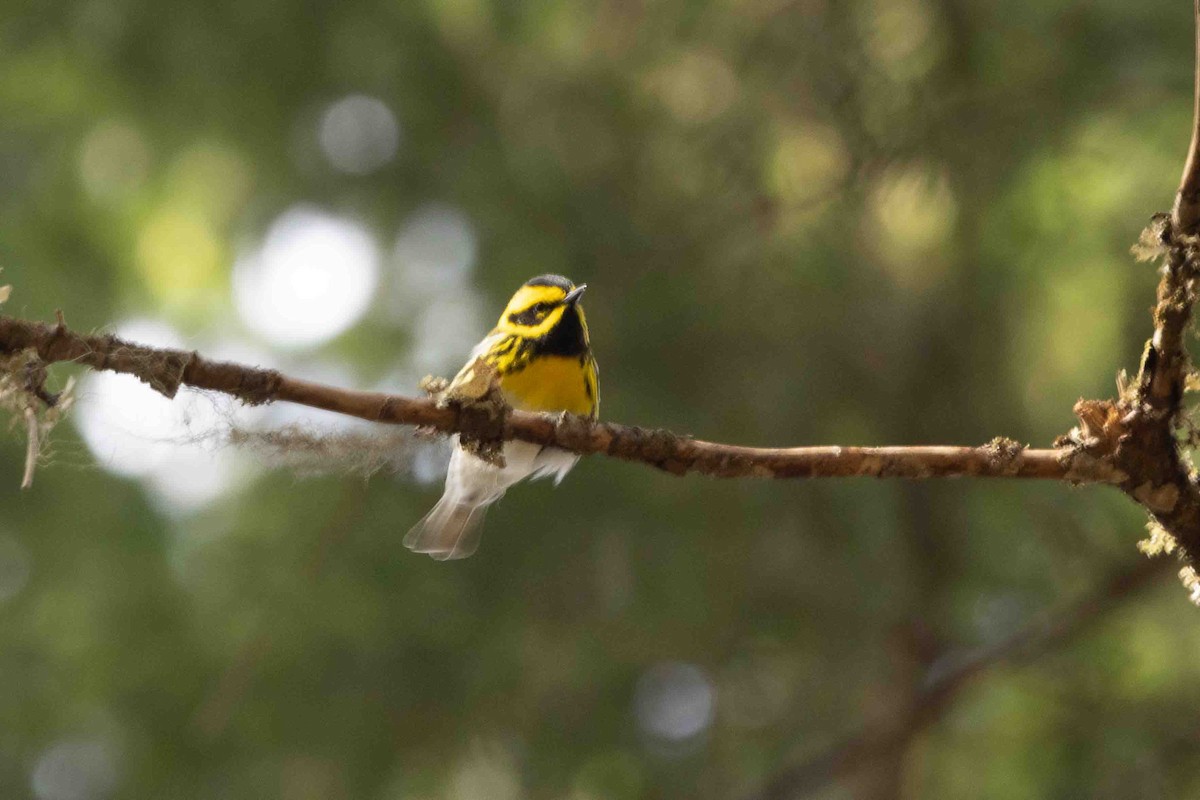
column 165, row 370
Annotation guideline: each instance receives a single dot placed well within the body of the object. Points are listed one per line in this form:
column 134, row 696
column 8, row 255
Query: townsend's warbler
column 543, row 362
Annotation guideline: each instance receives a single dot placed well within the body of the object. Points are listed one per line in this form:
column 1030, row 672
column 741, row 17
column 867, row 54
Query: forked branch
column 1141, row 434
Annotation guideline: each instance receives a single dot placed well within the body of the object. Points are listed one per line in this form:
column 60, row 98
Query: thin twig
column 1186, row 215
column 166, row 370
column 32, row 447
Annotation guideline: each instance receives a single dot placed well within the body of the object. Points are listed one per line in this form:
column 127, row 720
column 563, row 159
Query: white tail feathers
column 450, row 530
column 454, row 526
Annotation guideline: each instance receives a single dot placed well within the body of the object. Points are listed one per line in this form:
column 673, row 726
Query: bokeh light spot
column 462, row 21
column 113, row 160
column 134, row 432
column 430, row 289
column 434, row 254
column 674, row 702
column 696, row 87
column 310, row 280
column 900, row 37
column 808, row 164
column 358, row 134
column 446, row 331
column 80, row 769
column 488, row 772
column 120, row 417
column 178, row 253
column 914, row 212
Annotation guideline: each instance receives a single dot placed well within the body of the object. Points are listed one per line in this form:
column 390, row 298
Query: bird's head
column 541, row 305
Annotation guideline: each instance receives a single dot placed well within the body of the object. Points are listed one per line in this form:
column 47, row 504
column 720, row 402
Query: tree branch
column 166, row 370
column 942, row 687
column 1138, row 434
column 1186, row 214
column 1129, row 442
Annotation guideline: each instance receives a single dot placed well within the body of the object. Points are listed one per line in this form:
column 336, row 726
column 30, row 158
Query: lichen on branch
column 30, row 406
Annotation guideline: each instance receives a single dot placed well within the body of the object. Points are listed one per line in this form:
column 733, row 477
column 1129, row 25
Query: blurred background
column 805, row 222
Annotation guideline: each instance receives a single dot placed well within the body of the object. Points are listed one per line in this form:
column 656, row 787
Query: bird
column 542, row 358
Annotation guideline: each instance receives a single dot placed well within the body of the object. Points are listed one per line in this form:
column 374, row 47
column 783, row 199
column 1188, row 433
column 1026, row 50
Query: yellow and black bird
column 543, row 362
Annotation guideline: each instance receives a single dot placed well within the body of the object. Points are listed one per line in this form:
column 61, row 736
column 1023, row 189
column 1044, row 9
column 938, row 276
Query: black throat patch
column 564, row 339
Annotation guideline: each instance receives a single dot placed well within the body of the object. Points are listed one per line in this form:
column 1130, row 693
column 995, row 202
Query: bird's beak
column 573, row 296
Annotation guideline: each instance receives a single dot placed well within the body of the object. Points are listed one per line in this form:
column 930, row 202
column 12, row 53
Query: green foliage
column 851, row 222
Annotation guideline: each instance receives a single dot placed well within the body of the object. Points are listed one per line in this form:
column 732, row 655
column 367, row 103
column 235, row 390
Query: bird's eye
column 532, row 315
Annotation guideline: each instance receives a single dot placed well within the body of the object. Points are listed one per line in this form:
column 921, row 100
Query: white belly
column 475, row 481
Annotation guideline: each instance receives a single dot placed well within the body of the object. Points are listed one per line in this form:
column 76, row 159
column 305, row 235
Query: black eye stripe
column 532, row 315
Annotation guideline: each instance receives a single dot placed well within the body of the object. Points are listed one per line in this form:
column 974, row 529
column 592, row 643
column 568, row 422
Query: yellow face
column 538, row 307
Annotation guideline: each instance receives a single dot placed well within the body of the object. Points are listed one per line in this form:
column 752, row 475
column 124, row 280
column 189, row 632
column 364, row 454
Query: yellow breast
column 551, row 383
